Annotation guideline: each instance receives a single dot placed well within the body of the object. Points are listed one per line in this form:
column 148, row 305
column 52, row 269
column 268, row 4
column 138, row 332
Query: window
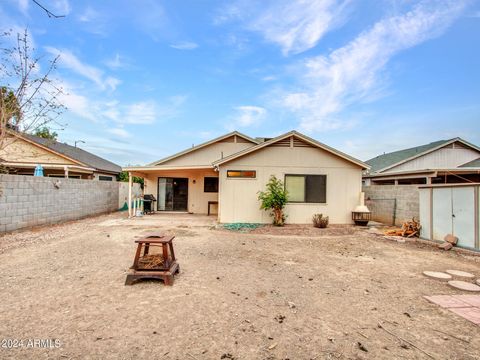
column 306, row 188
column 105, row 178
column 210, row 184
column 242, row 174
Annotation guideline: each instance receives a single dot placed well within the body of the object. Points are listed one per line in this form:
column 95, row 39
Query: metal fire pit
column 361, row 218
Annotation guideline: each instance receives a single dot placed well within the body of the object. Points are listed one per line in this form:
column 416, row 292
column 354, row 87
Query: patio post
column 130, row 184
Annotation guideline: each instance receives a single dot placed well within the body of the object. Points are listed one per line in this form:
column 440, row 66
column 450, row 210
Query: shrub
column 320, row 221
column 274, row 199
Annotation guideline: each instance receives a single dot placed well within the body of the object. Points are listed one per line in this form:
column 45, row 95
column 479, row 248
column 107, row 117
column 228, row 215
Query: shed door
column 464, row 216
column 442, row 213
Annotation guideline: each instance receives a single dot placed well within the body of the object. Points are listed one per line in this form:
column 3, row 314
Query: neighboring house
column 226, row 174
column 23, row 152
column 444, row 161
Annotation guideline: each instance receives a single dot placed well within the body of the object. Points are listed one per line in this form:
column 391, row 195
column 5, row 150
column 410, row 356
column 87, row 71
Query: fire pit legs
column 162, row 266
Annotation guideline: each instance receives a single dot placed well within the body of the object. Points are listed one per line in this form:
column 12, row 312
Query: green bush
column 274, row 199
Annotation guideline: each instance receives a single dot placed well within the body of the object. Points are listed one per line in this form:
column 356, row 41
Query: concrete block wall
column 383, row 200
column 27, row 201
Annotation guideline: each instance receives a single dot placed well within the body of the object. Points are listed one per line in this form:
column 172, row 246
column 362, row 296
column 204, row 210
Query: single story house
column 23, row 152
column 224, row 176
column 440, row 162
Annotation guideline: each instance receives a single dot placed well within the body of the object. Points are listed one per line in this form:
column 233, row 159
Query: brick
column 451, row 239
column 445, row 246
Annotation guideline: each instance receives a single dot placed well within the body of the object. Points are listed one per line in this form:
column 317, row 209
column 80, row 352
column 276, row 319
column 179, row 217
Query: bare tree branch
column 49, row 13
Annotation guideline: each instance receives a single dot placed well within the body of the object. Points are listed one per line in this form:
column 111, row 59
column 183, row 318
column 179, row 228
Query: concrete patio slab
column 447, row 301
column 471, row 314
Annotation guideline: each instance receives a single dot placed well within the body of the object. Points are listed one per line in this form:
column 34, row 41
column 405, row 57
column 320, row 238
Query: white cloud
column 295, row 26
column 23, row 5
column 120, row 132
column 69, row 60
column 184, row 45
column 88, row 15
column 140, row 113
column 117, row 62
column 248, row 115
column 353, row 73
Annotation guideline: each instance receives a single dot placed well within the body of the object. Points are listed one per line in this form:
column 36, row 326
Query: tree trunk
column 278, row 217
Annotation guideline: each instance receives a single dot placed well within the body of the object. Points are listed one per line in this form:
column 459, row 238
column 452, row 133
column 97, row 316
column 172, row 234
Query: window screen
column 210, row 184
column 306, row 188
column 105, row 178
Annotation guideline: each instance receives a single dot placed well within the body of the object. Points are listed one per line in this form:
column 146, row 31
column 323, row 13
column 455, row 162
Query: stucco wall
column 27, row 201
column 208, row 154
column 197, row 198
column 238, row 197
column 382, row 203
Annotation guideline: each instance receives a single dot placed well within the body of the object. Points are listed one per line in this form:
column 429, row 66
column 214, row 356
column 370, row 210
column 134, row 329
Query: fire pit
column 361, row 218
column 361, row 215
column 157, row 262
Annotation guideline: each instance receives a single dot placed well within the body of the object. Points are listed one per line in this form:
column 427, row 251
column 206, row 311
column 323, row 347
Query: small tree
column 29, row 98
column 45, row 133
column 274, row 199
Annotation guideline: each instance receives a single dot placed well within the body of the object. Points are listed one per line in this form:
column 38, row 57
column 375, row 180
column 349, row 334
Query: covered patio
column 192, row 189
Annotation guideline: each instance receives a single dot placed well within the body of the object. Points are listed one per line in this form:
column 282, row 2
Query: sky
column 145, row 79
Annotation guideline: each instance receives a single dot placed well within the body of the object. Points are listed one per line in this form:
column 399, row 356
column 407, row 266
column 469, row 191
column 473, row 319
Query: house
column 224, row 176
column 444, row 161
column 23, row 152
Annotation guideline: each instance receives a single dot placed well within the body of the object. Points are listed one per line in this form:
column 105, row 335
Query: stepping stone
column 460, row 274
column 463, row 285
column 437, row 275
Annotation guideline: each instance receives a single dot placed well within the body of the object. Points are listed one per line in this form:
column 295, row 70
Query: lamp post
column 79, row 141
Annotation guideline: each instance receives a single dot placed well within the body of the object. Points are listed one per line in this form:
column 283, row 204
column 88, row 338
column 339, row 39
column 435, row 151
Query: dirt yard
column 239, row 295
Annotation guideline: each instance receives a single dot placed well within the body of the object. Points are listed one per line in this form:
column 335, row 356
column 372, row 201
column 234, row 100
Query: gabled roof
column 75, row 154
column 474, row 163
column 389, row 160
column 300, row 136
column 205, row 144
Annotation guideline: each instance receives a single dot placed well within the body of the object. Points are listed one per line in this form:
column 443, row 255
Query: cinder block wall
column 382, row 203
column 29, row 201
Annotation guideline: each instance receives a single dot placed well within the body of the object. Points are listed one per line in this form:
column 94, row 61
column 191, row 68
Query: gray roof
column 386, row 160
column 76, row 153
column 473, row 163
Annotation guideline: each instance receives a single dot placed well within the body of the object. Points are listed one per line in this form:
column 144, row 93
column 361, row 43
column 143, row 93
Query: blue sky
column 145, row 78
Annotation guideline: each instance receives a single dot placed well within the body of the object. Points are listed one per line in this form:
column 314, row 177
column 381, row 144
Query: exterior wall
column 197, row 198
column 19, row 150
column 96, row 176
column 383, row 198
column 123, row 192
column 444, row 158
column 207, row 155
column 238, row 197
column 27, row 201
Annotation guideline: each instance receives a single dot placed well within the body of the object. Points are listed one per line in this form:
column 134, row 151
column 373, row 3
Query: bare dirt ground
column 238, row 296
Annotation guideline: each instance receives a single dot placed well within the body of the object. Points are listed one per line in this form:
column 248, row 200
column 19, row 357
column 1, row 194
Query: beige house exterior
column 441, row 162
column 329, row 180
column 21, row 153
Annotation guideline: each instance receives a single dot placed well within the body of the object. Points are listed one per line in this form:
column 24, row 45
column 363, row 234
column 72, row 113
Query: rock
column 463, row 285
column 362, row 347
column 460, row 273
column 451, row 239
column 445, row 246
column 437, row 275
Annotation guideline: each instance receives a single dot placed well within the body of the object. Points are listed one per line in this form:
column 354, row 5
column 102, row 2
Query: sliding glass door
column 172, row 194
